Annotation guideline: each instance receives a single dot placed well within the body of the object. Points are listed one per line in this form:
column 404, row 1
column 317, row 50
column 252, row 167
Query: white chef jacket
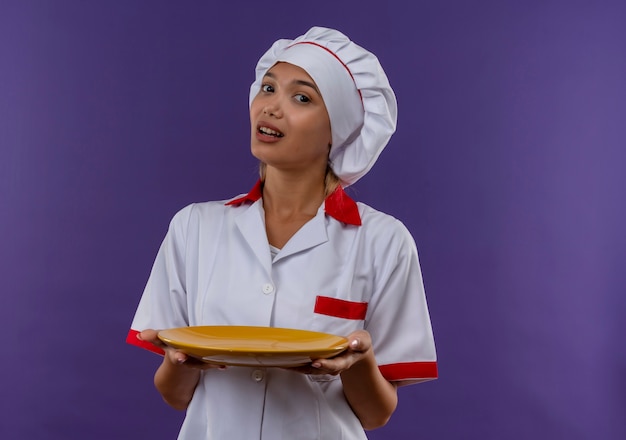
column 350, row 267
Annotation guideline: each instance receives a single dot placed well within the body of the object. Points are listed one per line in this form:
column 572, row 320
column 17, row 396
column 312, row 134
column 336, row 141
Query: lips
column 268, row 131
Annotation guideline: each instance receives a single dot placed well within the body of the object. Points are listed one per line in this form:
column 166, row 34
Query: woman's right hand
column 178, row 375
column 174, row 356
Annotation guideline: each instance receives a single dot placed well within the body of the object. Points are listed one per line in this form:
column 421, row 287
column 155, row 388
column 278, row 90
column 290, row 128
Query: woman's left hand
column 372, row 398
column 359, row 348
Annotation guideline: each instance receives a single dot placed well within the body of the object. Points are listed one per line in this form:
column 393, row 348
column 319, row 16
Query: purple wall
column 508, row 167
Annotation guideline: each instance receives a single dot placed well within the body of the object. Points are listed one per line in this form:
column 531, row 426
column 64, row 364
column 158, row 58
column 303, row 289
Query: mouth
column 269, row 132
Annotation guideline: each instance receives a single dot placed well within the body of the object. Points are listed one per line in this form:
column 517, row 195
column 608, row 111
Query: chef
column 297, row 252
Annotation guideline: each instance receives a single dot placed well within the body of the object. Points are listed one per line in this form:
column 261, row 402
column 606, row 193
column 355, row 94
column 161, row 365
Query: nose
column 272, row 108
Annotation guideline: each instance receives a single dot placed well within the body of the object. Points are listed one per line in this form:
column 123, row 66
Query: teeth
column 270, row 132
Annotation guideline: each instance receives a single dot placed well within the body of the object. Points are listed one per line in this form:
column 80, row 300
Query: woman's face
column 289, row 121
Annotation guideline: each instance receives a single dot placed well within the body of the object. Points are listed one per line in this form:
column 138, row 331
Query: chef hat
column 360, row 102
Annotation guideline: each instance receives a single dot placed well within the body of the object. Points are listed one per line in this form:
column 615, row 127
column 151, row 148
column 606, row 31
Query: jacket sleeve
column 164, row 301
column 398, row 318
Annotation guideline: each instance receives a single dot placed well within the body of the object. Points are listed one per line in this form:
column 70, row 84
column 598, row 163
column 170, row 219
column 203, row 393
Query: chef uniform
column 349, row 268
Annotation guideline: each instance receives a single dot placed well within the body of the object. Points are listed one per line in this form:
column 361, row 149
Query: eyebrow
column 299, row 82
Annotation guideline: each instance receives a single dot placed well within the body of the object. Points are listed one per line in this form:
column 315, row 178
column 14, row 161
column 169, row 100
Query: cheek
column 253, row 118
column 317, row 126
column 324, row 132
column 329, row 134
column 323, row 127
column 255, row 106
column 252, row 111
column 316, row 133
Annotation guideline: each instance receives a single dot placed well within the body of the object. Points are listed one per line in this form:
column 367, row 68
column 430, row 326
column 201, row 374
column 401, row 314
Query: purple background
column 508, row 168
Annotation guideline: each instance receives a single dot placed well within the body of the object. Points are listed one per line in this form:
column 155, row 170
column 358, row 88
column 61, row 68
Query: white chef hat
column 360, row 102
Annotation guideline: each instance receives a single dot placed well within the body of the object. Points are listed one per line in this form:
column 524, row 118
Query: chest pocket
column 338, row 316
column 340, row 308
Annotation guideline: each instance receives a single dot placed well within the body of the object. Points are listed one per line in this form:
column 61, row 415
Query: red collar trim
column 338, row 205
column 341, row 207
column 254, row 195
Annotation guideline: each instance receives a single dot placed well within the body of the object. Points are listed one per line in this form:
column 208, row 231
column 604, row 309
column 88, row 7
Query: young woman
column 297, row 252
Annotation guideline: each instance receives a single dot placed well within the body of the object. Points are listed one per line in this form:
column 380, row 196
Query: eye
column 302, row 98
column 266, row 88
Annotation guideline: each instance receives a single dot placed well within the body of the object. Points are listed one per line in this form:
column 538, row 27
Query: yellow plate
column 253, row 346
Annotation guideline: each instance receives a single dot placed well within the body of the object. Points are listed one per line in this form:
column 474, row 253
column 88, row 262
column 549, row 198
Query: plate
column 253, row 346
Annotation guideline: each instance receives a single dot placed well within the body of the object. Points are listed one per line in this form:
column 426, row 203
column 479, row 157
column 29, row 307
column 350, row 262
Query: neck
column 286, row 194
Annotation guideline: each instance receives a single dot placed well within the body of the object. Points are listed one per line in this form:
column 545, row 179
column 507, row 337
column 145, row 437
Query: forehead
column 287, row 71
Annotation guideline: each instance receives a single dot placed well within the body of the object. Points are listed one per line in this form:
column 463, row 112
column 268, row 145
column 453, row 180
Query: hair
column 331, row 181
